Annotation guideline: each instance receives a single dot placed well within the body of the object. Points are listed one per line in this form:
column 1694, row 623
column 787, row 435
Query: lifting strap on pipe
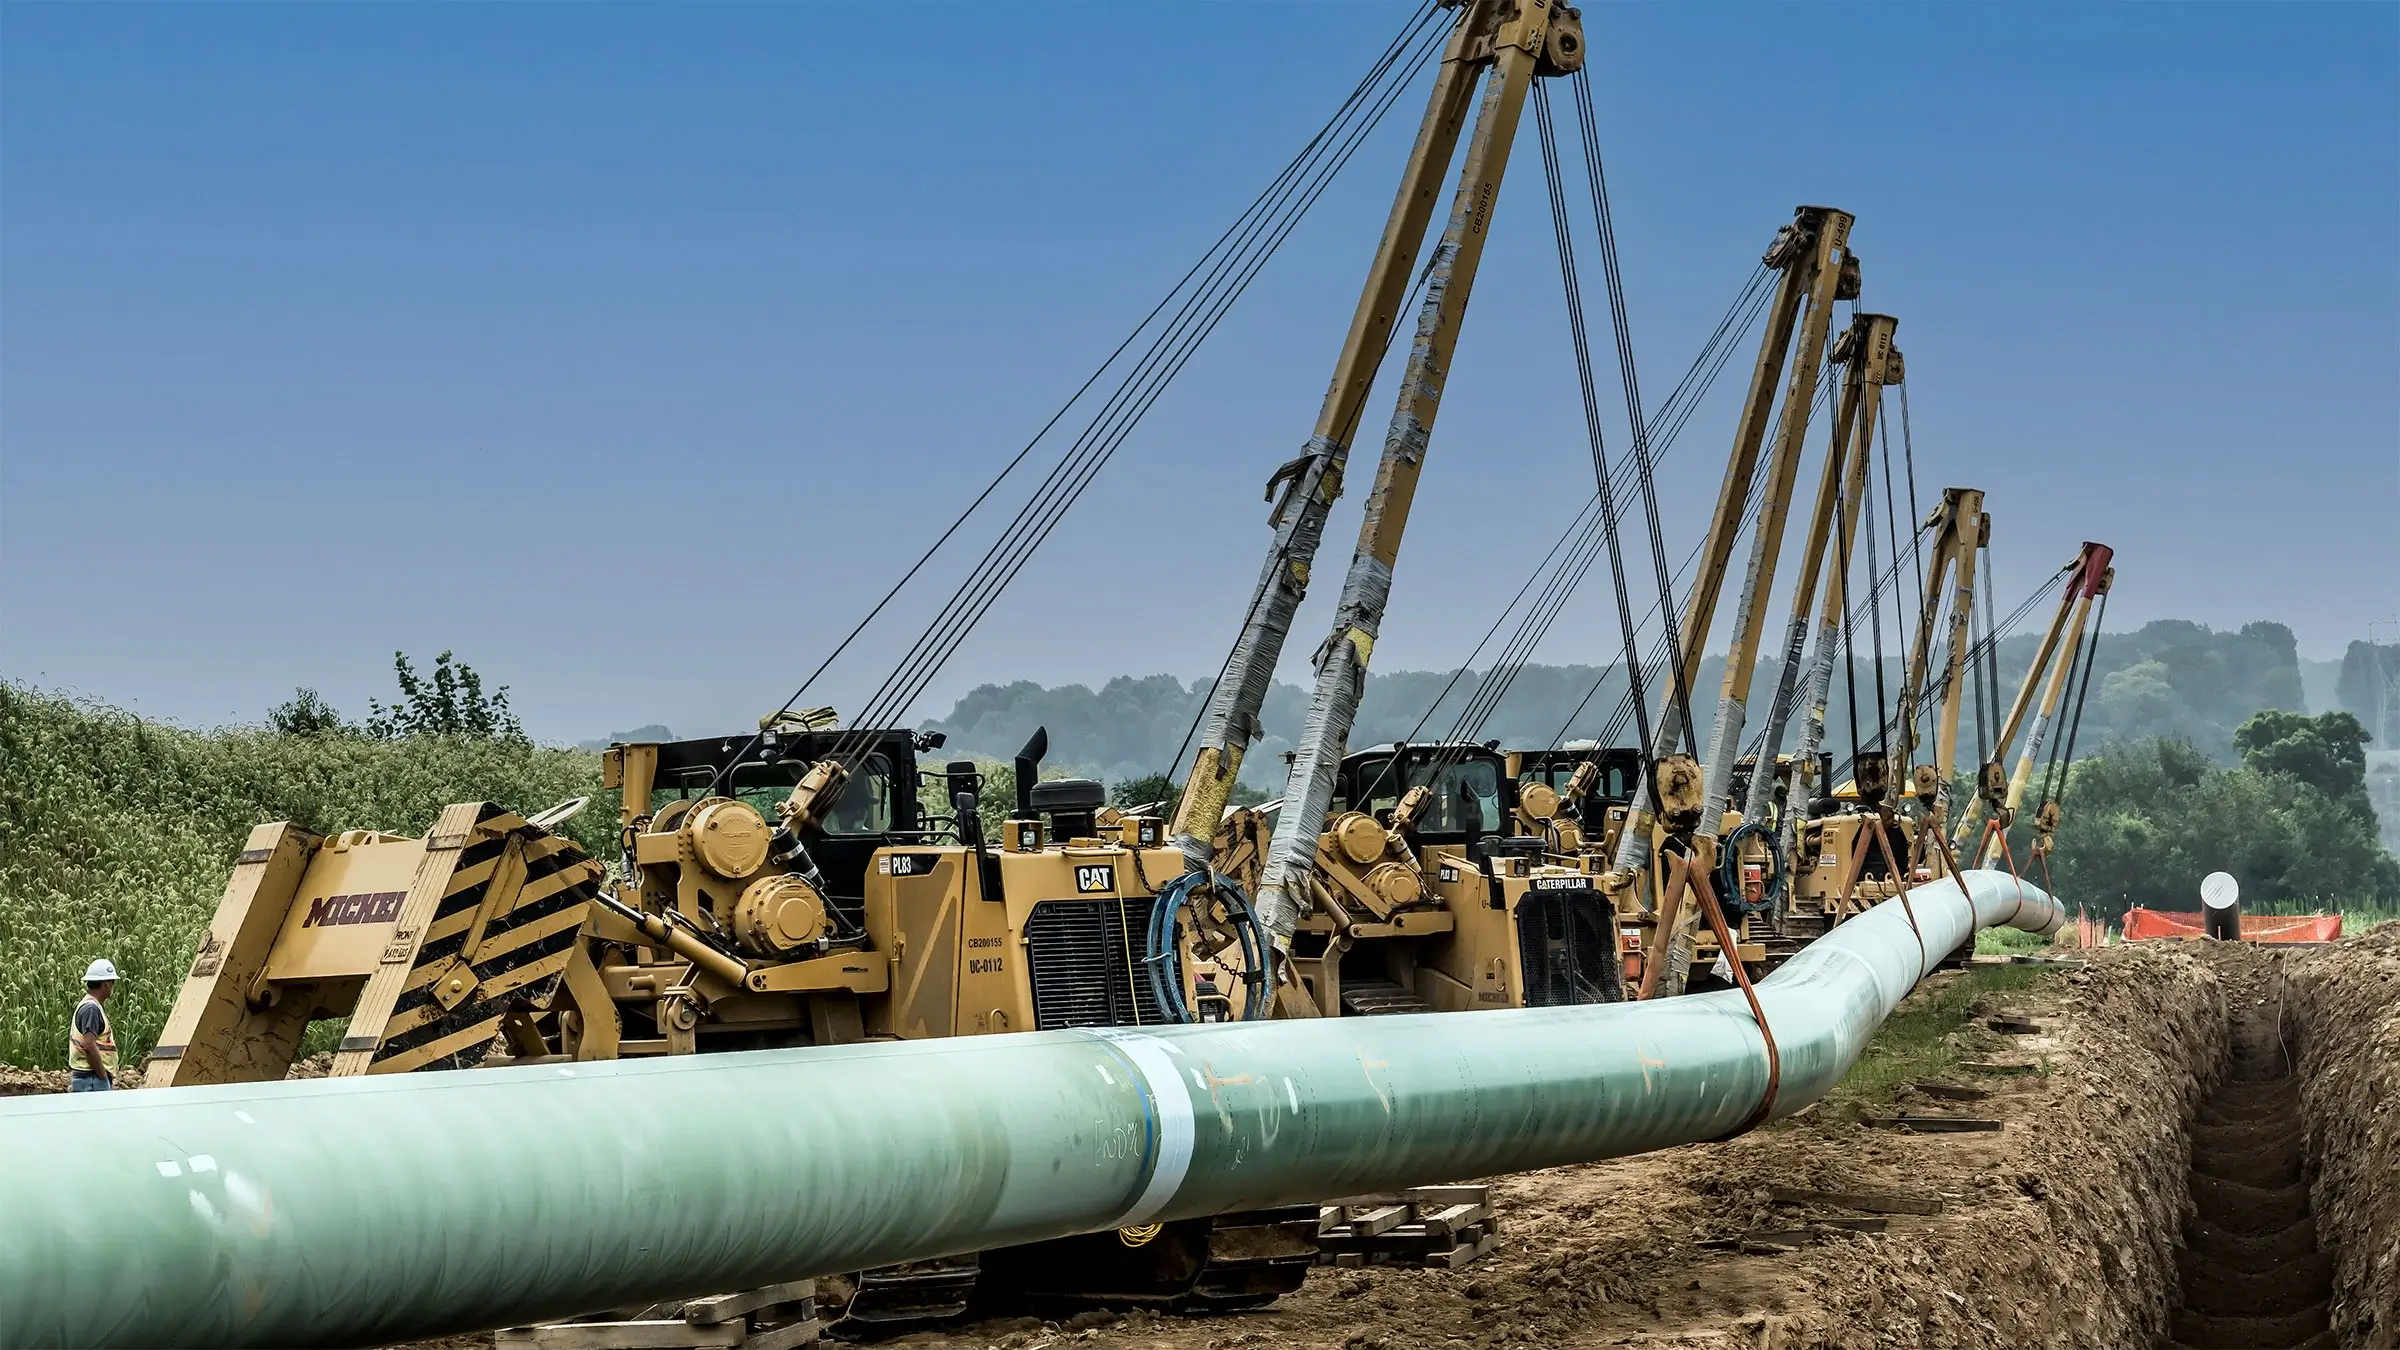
column 1901, row 879
column 1941, row 839
column 1684, row 872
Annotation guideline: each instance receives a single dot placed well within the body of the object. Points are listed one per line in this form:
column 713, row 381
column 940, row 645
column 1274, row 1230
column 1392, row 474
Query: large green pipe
column 370, row 1210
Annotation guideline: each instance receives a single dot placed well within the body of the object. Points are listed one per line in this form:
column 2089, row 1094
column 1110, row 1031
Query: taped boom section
column 430, row 947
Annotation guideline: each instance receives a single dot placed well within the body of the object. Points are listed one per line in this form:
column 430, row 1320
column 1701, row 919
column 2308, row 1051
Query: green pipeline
column 364, row 1211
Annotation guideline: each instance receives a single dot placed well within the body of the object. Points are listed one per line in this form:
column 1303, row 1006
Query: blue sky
column 631, row 351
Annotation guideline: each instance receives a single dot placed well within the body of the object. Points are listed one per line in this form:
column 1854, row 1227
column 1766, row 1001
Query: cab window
column 1374, row 789
column 863, row 808
column 1465, row 798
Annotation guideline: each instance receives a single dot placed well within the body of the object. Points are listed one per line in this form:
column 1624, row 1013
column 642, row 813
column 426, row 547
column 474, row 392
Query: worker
column 92, row 1043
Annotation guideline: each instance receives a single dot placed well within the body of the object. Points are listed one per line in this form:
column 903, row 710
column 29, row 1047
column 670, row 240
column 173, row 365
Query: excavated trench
column 2251, row 1269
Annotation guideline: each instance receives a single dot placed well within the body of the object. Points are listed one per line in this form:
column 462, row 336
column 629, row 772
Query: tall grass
column 2356, row 919
column 117, row 835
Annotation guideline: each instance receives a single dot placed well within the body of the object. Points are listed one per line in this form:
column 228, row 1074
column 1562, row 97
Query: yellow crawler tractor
column 435, row 950
column 780, row 890
column 792, row 888
column 1425, row 900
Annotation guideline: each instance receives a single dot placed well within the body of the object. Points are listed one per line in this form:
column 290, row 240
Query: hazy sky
column 632, row 351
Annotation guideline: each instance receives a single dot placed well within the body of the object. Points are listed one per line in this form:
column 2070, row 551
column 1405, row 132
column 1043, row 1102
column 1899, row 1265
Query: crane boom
column 1802, row 250
column 1528, row 39
column 2087, row 580
column 1960, row 528
column 1832, row 274
column 1870, row 362
column 1836, row 276
column 1304, row 489
column 1873, row 363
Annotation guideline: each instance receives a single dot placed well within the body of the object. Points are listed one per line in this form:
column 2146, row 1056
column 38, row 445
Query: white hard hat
column 99, row 970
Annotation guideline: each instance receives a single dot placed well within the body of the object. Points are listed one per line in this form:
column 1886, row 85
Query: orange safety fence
column 2152, row 923
column 2085, row 932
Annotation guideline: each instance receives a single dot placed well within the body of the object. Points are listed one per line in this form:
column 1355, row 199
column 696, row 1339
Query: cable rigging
column 1198, row 301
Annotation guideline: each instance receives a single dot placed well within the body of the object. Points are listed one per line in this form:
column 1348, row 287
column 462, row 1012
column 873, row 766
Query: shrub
column 117, row 836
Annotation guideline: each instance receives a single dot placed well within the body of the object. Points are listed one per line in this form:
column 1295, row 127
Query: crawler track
column 2252, row 1273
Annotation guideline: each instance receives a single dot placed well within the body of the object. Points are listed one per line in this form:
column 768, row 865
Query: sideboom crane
column 1529, row 39
column 1812, row 254
column 1304, row 489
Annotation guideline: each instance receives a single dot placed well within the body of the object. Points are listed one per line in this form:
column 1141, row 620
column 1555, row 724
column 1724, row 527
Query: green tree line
column 2171, row 678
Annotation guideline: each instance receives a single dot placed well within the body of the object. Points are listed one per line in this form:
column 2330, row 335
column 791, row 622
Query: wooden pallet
column 1440, row 1226
column 778, row 1317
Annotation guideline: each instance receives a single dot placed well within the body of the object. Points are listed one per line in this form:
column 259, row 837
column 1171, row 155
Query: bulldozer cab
column 1487, row 919
column 1469, row 792
column 877, row 806
column 1620, row 770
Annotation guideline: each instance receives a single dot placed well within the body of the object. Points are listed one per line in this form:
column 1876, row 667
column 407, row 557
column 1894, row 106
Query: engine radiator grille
column 1085, row 961
column 1566, row 949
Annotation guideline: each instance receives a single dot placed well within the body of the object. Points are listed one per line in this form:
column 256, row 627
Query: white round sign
column 2218, row 890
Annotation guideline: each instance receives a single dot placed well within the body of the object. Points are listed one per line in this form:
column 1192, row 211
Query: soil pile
column 16, row 1082
column 2343, row 1015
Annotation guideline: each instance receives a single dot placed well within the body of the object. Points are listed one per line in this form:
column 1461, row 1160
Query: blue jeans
column 89, row 1082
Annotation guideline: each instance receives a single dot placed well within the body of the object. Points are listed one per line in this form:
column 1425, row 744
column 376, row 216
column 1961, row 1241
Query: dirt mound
column 31, row 1082
column 2342, row 1016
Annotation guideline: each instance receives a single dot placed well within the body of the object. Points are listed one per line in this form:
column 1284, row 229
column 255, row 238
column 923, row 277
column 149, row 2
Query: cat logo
column 1562, row 883
column 1096, row 879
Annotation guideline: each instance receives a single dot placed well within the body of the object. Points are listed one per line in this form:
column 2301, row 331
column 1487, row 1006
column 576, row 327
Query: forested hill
column 2170, row 678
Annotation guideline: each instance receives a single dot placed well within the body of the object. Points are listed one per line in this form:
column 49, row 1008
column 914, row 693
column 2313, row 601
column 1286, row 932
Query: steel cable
column 1109, row 428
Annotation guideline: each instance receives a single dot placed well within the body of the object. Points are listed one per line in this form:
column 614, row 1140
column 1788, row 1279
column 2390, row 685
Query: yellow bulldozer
column 784, row 889
column 809, row 884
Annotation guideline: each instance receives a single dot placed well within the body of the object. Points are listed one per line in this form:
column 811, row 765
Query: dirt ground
column 15, row 1082
column 2344, row 1012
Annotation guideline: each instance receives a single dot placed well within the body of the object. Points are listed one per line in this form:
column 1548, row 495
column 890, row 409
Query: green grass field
column 117, row 835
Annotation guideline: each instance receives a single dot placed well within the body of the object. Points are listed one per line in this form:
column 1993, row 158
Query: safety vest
column 106, row 1041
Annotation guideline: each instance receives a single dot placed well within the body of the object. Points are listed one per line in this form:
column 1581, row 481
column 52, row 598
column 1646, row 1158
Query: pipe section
column 363, row 1211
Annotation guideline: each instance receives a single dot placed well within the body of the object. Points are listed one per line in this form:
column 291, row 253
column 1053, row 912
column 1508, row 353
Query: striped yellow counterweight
column 433, row 948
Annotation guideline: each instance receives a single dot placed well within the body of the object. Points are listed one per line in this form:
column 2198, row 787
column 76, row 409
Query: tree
column 2359, row 688
column 2141, row 701
column 307, row 714
column 451, row 703
column 2144, row 823
column 2328, row 751
column 1145, row 790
